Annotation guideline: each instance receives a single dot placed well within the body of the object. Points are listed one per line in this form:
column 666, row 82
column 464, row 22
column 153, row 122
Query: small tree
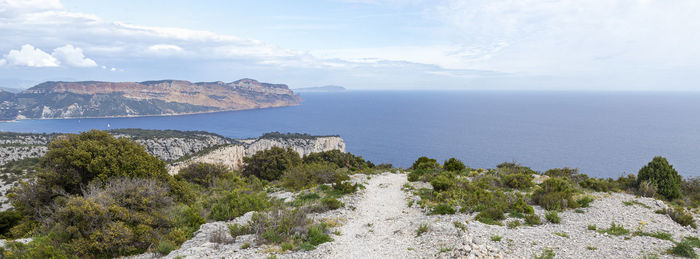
column 425, row 163
column 270, row 164
column 454, row 165
column 662, row 174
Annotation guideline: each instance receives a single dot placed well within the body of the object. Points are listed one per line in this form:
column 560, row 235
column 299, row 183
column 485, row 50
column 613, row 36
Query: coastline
column 150, row 115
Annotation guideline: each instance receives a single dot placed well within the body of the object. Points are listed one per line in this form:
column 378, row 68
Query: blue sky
column 359, row 44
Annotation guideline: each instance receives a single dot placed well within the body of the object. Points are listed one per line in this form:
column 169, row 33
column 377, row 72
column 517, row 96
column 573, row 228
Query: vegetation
column 270, row 164
column 97, row 196
column 614, row 229
column 453, row 165
column 422, row 228
column 552, row 216
column 555, row 194
column 661, row 174
column 340, row 159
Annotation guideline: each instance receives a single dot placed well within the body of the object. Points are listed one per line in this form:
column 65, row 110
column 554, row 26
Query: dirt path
column 381, row 225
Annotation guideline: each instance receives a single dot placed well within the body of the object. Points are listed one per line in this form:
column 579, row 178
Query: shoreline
column 149, row 115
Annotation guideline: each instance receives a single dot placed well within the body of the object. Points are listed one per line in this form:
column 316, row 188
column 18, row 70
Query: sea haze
column 603, row 134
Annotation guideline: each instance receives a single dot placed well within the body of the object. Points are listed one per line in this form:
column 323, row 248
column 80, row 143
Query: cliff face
column 232, row 155
column 165, row 97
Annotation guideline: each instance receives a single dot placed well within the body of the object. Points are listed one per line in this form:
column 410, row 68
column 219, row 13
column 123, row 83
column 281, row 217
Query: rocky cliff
column 165, row 97
column 232, row 155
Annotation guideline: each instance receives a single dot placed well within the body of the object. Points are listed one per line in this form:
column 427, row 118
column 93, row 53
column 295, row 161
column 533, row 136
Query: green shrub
column 496, row 238
column 513, row 223
column 307, row 175
column 488, row 182
column 342, row 188
column 532, row 220
column 441, row 183
column 518, row 204
column 599, row 185
column 316, row 235
column 453, row 165
column 615, row 230
column 552, row 216
column 425, row 163
column 39, row 247
column 235, row 204
column 518, row 180
column 338, row 158
column 443, row 209
column 585, row 202
column 660, row 173
column 270, row 164
column 288, row 227
column 647, row 189
column 691, row 191
column 422, row 229
column 202, row 173
column 658, row 234
column 165, row 247
column 554, row 194
column 682, row 217
column 506, row 168
column 546, row 254
column 331, row 203
column 9, row 219
column 490, row 216
column 683, row 249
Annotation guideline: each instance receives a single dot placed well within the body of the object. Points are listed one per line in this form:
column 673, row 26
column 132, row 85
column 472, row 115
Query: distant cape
column 94, row 99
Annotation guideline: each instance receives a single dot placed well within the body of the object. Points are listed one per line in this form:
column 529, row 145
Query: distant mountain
column 119, row 99
column 326, row 88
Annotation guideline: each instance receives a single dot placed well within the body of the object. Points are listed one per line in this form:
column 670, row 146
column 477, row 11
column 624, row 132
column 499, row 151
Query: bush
column 202, row 173
column 425, row 163
column 518, row 180
column 338, row 158
column 73, row 161
column 585, row 201
column 647, row 189
column 235, row 204
column 9, row 219
column 683, row 249
column 331, row 203
column 662, row 174
column 441, row 183
column 307, row 175
column 125, row 217
column 443, row 209
column 554, row 194
column 506, row 168
column 490, row 216
column 552, row 216
column 691, row 191
column 562, row 172
column 342, row 188
column 453, row 165
column 270, row 164
column 680, row 216
column 599, row 185
column 532, row 220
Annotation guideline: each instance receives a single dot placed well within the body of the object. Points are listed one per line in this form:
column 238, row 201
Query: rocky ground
column 378, row 223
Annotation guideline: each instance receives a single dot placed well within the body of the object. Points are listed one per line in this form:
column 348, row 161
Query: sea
column 604, row 134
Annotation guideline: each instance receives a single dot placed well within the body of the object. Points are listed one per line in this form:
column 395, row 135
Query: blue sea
column 604, row 134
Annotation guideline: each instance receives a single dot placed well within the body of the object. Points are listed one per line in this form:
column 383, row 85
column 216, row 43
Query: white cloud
column 164, row 48
column 73, row 56
column 2, row 62
column 113, row 69
column 30, row 56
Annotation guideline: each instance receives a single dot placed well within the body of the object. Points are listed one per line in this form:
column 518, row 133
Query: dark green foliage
column 425, row 163
column 554, row 194
column 236, row 203
column 599, row 185
column 552, row 216
column 443, row 209
column 518, row 180
column 442, row 183
column 331, row 203
column 683, row 249
column 584, row 202
column 201, row 173
column 513, row 168
column 315, row 236
column 20, row 169
column 532, row 220
column 340, row 159
column 288, row 227
column 9, row 219
column 124, row 217
column 39, row 247
column 270, row 164
column 658, row 234
column 278, row 135
column 661, row 173
column 682, row 217
column 311, row 174
column 453, row 165
column 490, row 216
column 693, row 241
column 488, row 182
column 562, row 172
column 342, row 188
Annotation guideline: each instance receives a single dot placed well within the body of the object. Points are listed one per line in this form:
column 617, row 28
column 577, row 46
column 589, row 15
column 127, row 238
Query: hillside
column 120, row 99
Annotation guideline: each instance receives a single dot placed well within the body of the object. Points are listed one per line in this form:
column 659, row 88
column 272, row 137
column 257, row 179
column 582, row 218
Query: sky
column 599, row 45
